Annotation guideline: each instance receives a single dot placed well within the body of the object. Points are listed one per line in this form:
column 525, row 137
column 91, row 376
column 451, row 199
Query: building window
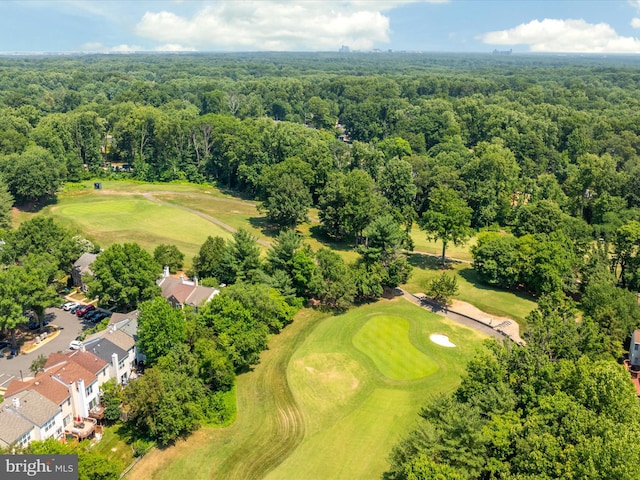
column 24, row 440
column 92, row 403
column 89, row 390
column 635, row 347
column 48, row 426
column 66, row 420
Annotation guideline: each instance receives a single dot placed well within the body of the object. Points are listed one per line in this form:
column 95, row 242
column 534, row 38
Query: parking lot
column 70, row 326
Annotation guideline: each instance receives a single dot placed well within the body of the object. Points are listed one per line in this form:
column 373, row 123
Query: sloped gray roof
column 83, row 264
column 103, row 348
column 33, row 407
column 121, row 339
column 12, row 425
column 130, row 328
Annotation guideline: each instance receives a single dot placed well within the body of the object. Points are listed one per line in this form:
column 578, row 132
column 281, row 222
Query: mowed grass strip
column 236, row 214
column 267, row 429
column 385, row 339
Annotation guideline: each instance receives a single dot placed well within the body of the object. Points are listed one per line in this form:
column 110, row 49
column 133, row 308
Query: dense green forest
column 540, row 156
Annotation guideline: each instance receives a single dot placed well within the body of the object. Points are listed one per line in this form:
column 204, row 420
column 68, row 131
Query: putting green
column 385, row 340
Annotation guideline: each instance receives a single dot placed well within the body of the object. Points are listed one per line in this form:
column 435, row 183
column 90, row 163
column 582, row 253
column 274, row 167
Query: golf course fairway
column 329, row 399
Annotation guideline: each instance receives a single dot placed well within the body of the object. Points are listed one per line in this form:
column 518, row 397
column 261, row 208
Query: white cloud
column 99, row 47
column 569, row 36
column 275, row 25
column 173, row 47
column 635, row 22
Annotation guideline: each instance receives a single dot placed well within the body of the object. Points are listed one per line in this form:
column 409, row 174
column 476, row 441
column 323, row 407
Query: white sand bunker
column 441, row 340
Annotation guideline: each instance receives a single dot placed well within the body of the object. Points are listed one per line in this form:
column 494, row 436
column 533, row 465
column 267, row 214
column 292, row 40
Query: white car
column 69, row 305
column 75, row 345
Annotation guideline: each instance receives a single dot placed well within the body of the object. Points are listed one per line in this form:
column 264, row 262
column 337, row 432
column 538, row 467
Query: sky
column 566, row 26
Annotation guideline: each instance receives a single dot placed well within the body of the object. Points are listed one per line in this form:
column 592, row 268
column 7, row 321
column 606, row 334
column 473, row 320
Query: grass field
column 119, row 218
column 329, row 399
column 421, row 244
column 179, row 214
column 494, row 301
column 114, row 446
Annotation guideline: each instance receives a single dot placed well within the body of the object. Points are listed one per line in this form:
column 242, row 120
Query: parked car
column 99, row 317
column 75, row 345
column 82, row 311
column 89, row 310
column 76, row 308
column 69, row 305
column 91, row 315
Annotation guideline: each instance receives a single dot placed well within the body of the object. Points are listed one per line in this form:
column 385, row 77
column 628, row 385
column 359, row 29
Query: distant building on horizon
column 344, row 49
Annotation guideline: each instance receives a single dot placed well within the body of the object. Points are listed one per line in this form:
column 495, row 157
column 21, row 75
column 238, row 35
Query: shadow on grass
column 127, row 432
column 471, row 276
column 317, row 233
column 36, row 206
column 266, row 228
column 428, row 262
column 234, row 193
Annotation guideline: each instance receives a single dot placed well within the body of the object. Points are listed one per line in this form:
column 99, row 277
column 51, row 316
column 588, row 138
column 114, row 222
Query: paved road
column 462, row 319
column 70, row 327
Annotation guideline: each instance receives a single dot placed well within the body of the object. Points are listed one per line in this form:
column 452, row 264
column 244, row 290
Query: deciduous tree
column 124, row 275
column 287, row 202
column 448, row 219
column 33, row 174
column 160, row 328
column 169, row 256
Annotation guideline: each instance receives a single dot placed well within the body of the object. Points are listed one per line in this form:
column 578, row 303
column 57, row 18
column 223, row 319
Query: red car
column 82, row 311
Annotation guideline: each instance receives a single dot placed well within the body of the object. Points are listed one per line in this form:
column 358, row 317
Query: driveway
column 70, row 327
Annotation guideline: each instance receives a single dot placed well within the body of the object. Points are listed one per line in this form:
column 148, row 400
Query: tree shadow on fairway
column 266, row 228
column 37, row 205
column 317, row 233
column 471, row 276
column 428, row 262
